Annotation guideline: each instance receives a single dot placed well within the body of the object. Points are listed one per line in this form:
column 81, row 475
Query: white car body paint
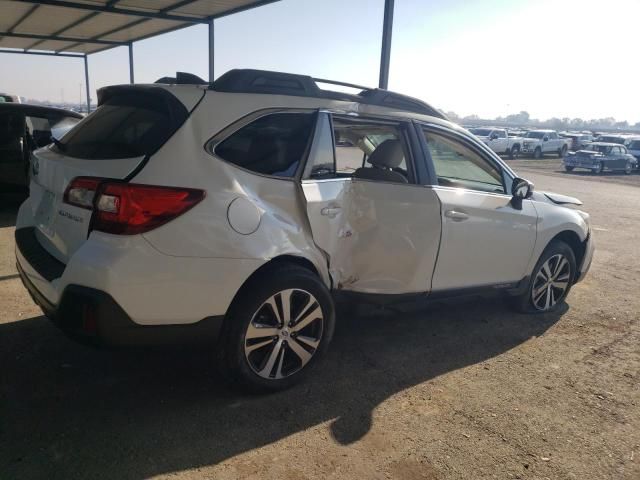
column 360, row 235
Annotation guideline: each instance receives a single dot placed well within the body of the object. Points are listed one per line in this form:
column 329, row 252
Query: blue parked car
column 600, row 156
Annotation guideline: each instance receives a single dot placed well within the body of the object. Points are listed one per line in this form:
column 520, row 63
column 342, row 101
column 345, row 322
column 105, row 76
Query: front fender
column 554, row 220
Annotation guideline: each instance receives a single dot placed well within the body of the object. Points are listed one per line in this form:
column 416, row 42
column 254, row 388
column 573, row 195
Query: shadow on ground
column 69, row 411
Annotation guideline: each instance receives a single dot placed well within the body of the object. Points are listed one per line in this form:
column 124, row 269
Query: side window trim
column 505, row 173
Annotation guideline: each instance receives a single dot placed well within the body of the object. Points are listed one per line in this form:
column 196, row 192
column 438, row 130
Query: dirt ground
column 461, row 389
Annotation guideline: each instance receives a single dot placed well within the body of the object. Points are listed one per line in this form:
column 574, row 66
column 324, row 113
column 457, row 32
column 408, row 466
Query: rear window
column 271, row 145
column 125, row 126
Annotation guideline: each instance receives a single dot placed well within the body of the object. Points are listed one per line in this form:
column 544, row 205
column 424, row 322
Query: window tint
column 125, row 126
column 456, row 165
column 501, row 134
column 553, row 136
column 271, row 145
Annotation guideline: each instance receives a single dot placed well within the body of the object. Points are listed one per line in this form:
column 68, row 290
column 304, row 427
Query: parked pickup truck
column 539, row 142
column 498, row 140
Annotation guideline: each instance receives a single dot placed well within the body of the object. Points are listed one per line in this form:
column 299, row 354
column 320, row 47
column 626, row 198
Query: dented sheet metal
column 379, row 237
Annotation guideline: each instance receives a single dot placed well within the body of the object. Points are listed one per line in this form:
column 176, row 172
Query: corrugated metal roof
column 90, row 26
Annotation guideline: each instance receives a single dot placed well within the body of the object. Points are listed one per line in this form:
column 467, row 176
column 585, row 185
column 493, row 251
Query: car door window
column 501, row 134
column 365, row 149
column 457, row 165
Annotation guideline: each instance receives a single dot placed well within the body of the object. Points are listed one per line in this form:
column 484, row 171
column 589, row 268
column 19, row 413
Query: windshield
column 599, row 148
column 481, row 132
column 535, row 134
column 634, row 145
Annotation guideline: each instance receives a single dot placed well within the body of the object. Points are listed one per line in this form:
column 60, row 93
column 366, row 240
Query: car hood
column 555, row 198
column 532, row 140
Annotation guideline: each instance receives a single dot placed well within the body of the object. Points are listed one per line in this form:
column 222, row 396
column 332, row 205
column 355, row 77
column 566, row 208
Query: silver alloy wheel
column 627, row 168
column 284, row 334
column 551, row 282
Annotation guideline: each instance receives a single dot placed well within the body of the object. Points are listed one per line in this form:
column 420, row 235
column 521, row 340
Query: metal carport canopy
column 81, row 27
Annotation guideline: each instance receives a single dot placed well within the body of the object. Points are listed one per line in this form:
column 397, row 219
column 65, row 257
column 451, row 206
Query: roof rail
column 278, row 83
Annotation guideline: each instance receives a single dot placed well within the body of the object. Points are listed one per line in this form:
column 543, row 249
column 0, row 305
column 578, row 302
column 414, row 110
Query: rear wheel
column 551, row 280
column 568, row 168
column 598, row 168
column 537, row 153
column 277, row 329
column 514, row 152
column 563, row 152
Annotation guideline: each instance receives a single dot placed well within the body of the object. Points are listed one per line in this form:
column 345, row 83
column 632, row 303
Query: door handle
column 456, row 216
column 330, row 212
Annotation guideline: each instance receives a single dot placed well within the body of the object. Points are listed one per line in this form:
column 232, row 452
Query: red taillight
column 128, row 208
column 81, row 191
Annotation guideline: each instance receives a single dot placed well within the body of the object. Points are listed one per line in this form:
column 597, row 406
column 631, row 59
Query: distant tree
column 471, row 118
column 518, row 118
column 453, row 116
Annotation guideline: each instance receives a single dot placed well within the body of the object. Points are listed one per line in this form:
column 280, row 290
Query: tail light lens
column 128, row 208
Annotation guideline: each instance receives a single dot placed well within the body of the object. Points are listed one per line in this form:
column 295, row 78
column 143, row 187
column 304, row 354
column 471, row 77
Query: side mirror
column 545, row 139
column 494, row 136
column 521, row 189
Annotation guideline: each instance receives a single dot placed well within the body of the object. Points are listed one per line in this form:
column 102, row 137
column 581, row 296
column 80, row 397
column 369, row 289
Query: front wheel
column 277, row 329
column 628, row 168
column 514, row 152
column 568, row 168
column 551, row 280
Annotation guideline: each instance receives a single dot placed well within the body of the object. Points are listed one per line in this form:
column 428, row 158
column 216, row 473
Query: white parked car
column 498, row 140
column 238, row 211
column 539, row 142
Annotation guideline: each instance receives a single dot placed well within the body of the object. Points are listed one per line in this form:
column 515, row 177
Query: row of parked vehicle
column 597, row 153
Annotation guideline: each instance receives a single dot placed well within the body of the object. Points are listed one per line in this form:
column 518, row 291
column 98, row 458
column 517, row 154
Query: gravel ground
column 463, row 389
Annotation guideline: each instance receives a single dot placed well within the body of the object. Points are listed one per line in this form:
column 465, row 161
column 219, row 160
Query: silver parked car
column 601, row 156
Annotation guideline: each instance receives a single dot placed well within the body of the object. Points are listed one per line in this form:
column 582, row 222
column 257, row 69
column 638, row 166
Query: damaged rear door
column 368, row 211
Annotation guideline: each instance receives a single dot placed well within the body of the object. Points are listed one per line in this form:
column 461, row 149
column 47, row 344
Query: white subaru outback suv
column 236, row 212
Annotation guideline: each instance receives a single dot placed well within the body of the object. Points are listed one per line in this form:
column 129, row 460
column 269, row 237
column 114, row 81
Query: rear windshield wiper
column 59, row 144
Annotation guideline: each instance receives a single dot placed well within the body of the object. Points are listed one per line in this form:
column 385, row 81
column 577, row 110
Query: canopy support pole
column 211, row 51
column 86, row 81
column 385, row 51
column 131, row 78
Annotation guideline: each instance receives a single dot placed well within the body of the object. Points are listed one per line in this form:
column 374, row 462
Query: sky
column 552, row 58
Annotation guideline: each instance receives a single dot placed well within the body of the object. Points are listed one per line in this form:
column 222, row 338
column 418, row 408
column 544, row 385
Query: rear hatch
column 130, row 124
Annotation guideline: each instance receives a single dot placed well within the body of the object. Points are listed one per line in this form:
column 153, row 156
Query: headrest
column 388, row 154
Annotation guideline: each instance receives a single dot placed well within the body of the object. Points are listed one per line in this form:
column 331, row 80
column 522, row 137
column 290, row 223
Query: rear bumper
column 92, row 316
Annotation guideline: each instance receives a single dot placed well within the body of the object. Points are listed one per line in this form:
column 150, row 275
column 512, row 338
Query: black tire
column 599, row 168
column 514, row 152
column 537, row 153
column 562, row 152
column 628, row 168
column 525, row 302
column 568, row 168
column 234, row 361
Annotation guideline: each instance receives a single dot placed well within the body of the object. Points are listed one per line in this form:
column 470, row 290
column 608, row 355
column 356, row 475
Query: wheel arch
column 572, row 239
column 273, row 265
